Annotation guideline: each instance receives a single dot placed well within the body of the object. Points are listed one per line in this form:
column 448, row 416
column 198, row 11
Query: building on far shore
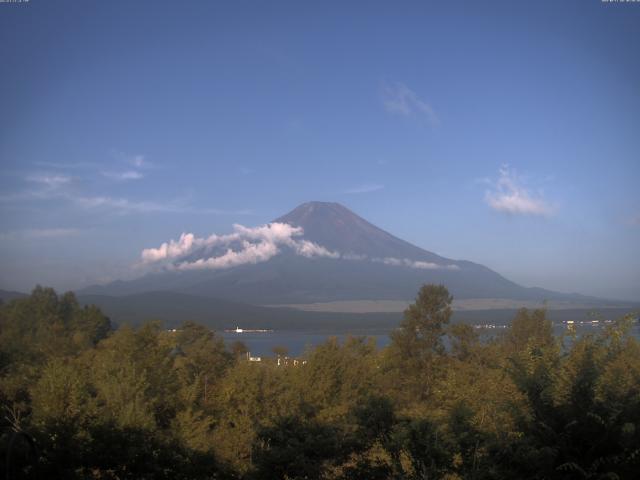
column 253, row 359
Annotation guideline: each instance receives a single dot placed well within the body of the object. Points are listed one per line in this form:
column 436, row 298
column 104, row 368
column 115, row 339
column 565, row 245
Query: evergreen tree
column 417, row 344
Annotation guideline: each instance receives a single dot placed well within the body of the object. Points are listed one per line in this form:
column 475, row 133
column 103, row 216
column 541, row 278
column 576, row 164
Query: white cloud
column 55, row 188
column 173, row 249
column 122, row 205
column 52, row 187
column 50, row 180
column 396, row 262
column 354, row 256
column 434, row 266
column 252, row 245
column 401, row 100
column 271, row 232
column 67, row 165
column 366, row 188
column 139, row 161
column 125, row 206
column 309, row 249
column 136, row 160
column 123, row 176
column 250, row 253
column 509, row 195
column 405, row 262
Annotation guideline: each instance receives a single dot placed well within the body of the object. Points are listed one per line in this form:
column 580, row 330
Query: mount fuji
column 318, row 252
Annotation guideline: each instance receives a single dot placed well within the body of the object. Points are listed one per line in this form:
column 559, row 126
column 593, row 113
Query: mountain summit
column 337, row 228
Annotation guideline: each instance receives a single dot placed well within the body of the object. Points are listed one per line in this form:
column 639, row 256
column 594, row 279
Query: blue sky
column 505, row 133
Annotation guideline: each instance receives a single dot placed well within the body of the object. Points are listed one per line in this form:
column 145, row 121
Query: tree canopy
column 82, row 400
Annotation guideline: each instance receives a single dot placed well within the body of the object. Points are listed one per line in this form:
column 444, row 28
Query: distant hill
column 369, row 264
column 8, row 295
column 172, row 309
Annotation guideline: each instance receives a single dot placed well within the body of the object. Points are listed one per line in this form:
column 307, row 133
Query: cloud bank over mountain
column 248, row 245
column 405, row 262
column 244, row 246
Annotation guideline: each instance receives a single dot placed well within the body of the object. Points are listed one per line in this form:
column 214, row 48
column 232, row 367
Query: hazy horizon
column 500, row 133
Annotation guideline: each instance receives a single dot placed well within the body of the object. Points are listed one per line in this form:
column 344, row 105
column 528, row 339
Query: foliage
column 413, row 357
column 81, row 400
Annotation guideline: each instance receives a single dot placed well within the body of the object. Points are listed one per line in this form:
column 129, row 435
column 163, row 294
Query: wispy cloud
column 509, row 195
column 58, row 187
column 121, row 205
column 44, row 186
column 50, row 180
column 136, row 160
column 123, row 176
column 67, row 165
column 38, row 233
column 52, row 189
column 399, row 99
column 139, row 161
column 126, row 206
column 405, row 262
column 366, row 188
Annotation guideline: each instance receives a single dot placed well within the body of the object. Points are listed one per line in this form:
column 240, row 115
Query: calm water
column 262, row 344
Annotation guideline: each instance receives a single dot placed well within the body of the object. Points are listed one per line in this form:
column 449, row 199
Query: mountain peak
column 337, row 228
column 315, row 208
column 315, row 216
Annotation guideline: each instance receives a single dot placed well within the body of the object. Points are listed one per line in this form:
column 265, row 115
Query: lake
column 262, row 344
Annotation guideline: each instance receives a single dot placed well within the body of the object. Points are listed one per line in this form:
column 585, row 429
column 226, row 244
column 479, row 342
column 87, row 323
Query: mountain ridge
column 363, row 262
column 351, row 233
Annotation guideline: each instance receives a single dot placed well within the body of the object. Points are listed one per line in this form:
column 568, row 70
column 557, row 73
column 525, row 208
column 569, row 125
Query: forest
column 83, row 400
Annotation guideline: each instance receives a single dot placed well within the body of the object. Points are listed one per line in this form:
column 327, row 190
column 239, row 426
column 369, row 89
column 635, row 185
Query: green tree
column 427, row 450
column 338, row 376
column 295, row 448
column 529, row 330
column 202, row 364
column 573, row 430
column 416, row 345
column 280, row 351
column 464, row 341
column 134, row 378
column 239, row 349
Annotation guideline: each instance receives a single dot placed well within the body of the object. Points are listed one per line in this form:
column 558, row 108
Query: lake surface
column 297, row 341
column 262, row 344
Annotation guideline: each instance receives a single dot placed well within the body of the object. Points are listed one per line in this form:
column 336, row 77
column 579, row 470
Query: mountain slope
column 338, row 228
column 365, row 263
column 172, row 309
column 8, row 295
